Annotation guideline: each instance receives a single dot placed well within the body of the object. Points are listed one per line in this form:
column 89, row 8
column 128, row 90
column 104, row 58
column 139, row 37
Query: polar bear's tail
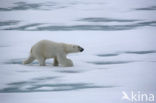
column 30, row 59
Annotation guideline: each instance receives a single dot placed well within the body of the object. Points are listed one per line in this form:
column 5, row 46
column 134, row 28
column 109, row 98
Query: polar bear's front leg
column 69, row 63
column 64, row 61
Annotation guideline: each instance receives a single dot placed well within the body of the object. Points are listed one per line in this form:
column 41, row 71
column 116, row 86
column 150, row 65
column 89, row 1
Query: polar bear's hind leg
column 29, row 60
column 41, row 61
column 55, row 62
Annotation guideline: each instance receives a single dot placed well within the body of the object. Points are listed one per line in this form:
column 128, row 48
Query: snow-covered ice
column 118, row 37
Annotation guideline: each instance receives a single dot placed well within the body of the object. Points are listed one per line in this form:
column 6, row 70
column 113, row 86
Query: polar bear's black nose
column 81, row 49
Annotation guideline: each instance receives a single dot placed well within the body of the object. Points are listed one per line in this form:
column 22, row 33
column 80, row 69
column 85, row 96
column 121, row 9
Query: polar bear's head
column 72, row 48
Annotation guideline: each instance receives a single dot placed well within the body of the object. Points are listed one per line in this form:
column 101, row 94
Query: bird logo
column 125, row 96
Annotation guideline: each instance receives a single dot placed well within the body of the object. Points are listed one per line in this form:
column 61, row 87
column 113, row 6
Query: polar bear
column 45, row 49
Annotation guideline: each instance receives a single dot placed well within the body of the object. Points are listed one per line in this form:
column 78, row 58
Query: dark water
column 147, row 8
column 127, row 52
column 36, row 85
column 32, row 6
column 110, row 62
column 96, row 27
column 50, row 6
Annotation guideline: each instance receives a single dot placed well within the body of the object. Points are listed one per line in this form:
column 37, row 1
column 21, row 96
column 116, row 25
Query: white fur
column 45, row 49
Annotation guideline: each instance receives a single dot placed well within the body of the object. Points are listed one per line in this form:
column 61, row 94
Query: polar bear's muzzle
column 81, row 49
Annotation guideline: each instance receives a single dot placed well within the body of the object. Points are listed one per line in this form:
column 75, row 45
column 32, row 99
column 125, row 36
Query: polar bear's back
column 46, row 48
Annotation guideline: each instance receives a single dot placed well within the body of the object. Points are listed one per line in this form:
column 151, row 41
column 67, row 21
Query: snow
column 118, row 58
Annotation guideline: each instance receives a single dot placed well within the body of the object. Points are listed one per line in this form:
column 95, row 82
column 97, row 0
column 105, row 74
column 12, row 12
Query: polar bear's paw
column 67, row 63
